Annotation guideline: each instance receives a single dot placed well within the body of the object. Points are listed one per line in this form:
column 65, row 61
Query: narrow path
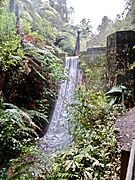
column 58, row 134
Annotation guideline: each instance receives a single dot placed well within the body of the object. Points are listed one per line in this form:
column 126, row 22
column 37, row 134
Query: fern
column 37, row 117
column 17, row 118
column 32, row 115
column 30, row 165
column 10, row 106
column 40, row 75
column 14, row 134
column 10, row 41
column 48, row 61
column 14, row 131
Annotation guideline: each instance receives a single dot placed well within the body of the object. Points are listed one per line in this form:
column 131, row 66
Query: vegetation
column 94, row 154
column 124, row 21
column 48, row 20
column 10, row 42
column 31, row 40
column 29, row 78
column 92, row 76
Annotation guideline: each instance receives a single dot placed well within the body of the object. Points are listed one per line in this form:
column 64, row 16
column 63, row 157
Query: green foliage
column 14, row 134
column 94, row 153
column 29, row 166
column 30, row 80
column 26, row 26
column 91, row 106
column 86, row 32
column 51, row 66
column 19, row 158
column 38, row 38
column 68, row 44
column 93, row 70
column 104, row 29
column 9, row 40
column 61, row 7
column 44, row 28
column 85, row 28
column 117, row 95
column 40, row 119
column 38, row 16
column 55, row 66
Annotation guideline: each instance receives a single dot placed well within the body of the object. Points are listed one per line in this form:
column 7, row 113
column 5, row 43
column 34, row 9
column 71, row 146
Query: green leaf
column 68, row 165
column 87, row 175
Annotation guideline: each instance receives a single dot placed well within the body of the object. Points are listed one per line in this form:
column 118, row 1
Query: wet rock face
column 120, row 56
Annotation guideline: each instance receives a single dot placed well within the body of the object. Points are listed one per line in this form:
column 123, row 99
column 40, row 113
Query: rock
column 126, row 126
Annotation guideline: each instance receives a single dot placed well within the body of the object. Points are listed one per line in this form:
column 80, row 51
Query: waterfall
column 58, row 134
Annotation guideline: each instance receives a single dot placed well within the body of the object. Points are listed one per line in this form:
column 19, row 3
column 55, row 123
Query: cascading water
column 58, row 134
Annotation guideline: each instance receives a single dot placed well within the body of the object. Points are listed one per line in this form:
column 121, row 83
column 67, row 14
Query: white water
column 58, row 134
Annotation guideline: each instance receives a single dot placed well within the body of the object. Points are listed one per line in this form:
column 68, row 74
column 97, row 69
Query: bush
column 14, row 134
column 94, row 152
column 9, row 41
column 26, row 26
column 31, row 165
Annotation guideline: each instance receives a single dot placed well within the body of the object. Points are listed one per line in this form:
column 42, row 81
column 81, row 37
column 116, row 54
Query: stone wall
column 120, row 56
column 96, row 52
column 95, row 59
column 93, row 53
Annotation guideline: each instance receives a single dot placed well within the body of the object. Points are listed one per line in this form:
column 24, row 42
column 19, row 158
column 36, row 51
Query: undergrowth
column 94, row 153
column 29, row 78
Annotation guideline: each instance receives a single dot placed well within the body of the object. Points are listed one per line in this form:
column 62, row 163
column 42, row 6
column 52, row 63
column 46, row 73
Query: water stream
column 58, row 134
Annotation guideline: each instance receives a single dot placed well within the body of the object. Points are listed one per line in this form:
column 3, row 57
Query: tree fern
column 34, row 113
column 14, row 134
column 10, row 106
column 25, row 117
column 39, row 118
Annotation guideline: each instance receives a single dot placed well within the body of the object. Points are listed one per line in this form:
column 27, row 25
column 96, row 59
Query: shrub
column 14, row 134
column 94, row 152
column 9, row 40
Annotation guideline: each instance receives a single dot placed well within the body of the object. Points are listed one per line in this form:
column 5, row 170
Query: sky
column 96, row 9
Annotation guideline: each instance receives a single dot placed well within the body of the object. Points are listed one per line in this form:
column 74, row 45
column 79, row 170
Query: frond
column 37, row 117
column 10, row 106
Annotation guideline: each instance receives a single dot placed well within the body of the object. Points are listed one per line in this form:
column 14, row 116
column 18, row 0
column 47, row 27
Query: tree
column 104, row 25
column 86, row 28
column 61, row 7
column 9, row 40
column 70, row 13
column 86, row 31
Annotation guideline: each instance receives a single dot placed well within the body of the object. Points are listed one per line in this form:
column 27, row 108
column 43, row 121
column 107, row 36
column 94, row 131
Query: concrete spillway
column 58, row 134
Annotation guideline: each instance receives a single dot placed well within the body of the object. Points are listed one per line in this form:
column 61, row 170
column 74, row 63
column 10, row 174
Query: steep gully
column 58, row 134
